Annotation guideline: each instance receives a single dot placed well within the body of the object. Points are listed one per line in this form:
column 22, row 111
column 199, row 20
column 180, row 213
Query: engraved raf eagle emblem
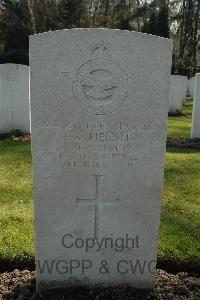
column 100, row 84
column 98, row 88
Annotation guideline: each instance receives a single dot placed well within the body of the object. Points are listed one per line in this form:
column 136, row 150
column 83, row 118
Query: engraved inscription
column 98, row 201
column 100, row 84
column 102, row 145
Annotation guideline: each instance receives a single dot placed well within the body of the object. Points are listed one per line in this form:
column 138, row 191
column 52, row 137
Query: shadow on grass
column 8, row 265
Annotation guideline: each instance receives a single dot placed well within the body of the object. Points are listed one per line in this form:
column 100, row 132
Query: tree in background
column 157, row 22
column 185, row 14
column 14, row 25
column 70, row 12
column 163, row 21
column 178, row 19
column 125, row 25
column 21, row 18
column 152, row 24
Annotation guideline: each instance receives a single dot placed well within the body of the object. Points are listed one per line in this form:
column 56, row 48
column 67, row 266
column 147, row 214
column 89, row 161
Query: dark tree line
column 178, row 19
column 187, row 37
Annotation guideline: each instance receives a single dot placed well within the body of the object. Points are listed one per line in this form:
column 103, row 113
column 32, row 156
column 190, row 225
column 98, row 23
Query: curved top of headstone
column 10, row 65
column 9, row 70
column 179, row 76
column 95, row 58
column 99, row 31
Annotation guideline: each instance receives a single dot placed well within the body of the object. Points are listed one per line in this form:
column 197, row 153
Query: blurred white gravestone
column 195, row 132
column 178, row 90
column 99, row 111
column 14, row 98
column 191, row 86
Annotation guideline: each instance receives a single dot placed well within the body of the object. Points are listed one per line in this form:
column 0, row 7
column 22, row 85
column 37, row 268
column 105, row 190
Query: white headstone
column 14, row 98
column 178, row 90
column 99, row 100
column 191, row 86
column 195, row 132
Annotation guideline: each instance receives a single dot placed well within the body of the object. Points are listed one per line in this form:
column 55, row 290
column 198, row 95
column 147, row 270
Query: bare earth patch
column 22, row 138
column 20, row 285
column 184, row 143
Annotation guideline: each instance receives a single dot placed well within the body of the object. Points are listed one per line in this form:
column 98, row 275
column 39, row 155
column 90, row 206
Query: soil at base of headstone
column 20, row 285
column 184, row 143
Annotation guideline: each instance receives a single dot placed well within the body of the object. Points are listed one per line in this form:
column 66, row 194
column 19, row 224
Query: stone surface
column 99, row 106
column 195, row 131
column 178, row 89
column 14, row 98
column 191, row 86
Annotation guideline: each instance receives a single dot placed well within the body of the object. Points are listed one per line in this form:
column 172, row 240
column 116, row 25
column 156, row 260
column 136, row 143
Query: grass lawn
column 180, row 215
column 179, row 127
column 180, row 218
column 16, row 214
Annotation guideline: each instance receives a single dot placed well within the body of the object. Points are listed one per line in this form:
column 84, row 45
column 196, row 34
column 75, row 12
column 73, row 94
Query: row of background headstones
column 180, row 88
column 195, row 86
column 15, row 100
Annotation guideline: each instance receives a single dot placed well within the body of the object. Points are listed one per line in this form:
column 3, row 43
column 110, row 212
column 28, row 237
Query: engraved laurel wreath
column 100, row 85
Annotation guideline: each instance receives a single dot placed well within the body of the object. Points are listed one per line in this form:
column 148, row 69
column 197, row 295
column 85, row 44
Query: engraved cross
column 98, row 202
